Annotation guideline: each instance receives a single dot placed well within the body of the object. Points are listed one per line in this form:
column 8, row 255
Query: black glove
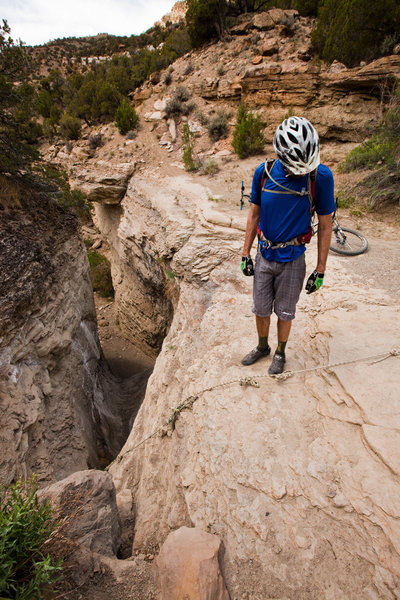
column 314, row 282
column 247, row 266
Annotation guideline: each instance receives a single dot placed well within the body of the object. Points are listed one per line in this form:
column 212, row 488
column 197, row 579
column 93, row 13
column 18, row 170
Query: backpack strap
column 268, row 166
column 312, row 182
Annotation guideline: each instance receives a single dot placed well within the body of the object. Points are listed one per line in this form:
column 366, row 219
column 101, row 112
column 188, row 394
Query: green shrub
column 365, row 156
column 381, row 153
column 351, row 31
column 218, row 127
column 181, row 94
column 126, row 117
column 59, row 188
column 26, row 570
column 210, row 167
column 178, row 104
column 70, row 127
column 100, row 274
column 248, row 137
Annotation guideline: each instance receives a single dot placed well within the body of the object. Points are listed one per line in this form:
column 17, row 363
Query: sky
column 39, row 21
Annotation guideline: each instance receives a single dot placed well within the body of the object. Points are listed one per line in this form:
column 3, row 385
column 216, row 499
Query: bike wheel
column 349, row 242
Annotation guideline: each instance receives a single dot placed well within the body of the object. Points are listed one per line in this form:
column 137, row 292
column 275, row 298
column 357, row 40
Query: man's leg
column 262, row 324
column 283, row 330
column 288, row 286
column 262, row 305
column 262, row 348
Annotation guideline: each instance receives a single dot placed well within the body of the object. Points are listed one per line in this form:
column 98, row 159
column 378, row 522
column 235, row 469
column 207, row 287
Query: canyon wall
column 55, row 390
column 299, row 477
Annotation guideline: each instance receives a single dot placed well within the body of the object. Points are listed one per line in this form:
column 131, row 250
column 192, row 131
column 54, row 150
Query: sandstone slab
column 188, row 566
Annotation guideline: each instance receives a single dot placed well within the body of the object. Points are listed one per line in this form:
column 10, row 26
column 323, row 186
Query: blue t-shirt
column 286, row 216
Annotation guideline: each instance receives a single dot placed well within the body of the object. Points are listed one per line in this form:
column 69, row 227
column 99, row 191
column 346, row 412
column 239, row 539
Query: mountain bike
column 344, row 240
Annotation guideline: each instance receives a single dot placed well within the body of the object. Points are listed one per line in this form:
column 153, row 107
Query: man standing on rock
column 282, row 197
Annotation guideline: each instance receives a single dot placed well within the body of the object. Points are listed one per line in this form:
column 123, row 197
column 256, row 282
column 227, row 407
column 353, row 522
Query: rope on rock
column 168, row 427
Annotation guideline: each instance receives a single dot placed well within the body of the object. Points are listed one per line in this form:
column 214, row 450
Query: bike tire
column 352, row 244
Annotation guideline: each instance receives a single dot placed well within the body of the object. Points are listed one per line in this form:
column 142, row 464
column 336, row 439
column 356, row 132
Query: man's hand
column 247, row 266
column 314, row 282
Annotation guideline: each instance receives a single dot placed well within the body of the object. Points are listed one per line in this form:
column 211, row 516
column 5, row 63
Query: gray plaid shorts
column 277, row 286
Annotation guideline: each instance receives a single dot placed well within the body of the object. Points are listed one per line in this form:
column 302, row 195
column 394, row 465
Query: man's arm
column 324, row 240
column 251, row 228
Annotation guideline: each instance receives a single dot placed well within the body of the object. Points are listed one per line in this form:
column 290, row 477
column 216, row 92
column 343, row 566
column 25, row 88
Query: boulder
column 283, row 17
column 263, row 21
column 103, row 184
column 86, row 505
column 188, row 566
column 161, row 105
column 270, row 47
column 153, row 116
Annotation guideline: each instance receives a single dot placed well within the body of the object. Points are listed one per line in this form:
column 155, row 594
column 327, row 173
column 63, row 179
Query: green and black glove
column 247, row 266
column 314, row 282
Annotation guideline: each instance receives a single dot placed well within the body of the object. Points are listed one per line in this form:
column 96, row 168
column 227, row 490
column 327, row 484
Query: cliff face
column 55, row 413
column 296, row 477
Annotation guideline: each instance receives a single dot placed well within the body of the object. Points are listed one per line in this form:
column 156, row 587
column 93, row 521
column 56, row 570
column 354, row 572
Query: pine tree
column 17, row 130
column 126, row 118
column 248, row 137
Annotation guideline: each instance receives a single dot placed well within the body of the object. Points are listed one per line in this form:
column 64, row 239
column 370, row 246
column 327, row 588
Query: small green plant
column 26, row 569
column 201, row 117
column 188, row 147
column 126, row 118
column 95, row 140
column 181, row 94
column 170, row 274
column 100, row 274
column 188, row 69
column 343, row 200
column 59, row 188
column 70, row 127
column 178, row 104
column 365, row 156
column 210, row 167
column 218, row 127
column 248, row 137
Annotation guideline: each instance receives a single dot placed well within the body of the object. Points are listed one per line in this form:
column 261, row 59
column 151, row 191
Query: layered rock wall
column 56, row 416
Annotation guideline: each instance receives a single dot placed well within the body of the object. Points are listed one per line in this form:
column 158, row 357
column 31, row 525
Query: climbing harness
column 245, row 382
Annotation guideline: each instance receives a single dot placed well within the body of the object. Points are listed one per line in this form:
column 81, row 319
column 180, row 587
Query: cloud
column 39, row 21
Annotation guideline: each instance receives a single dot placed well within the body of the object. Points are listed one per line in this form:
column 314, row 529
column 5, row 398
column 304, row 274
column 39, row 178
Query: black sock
column 280, row 349
column 262, row 343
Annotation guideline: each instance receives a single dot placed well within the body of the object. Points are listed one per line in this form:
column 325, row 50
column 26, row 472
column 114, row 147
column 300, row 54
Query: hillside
column 217, row 476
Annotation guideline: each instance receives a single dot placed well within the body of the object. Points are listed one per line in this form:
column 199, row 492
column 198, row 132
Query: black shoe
column 276, row 367
column 255, row 355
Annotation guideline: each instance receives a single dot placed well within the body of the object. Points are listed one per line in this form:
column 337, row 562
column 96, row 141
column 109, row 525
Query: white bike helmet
column 296, row 144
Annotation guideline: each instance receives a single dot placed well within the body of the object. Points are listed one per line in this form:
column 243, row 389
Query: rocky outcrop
column 102, row 183
column 344, row 104
column 55, row 390
column 295, row 477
